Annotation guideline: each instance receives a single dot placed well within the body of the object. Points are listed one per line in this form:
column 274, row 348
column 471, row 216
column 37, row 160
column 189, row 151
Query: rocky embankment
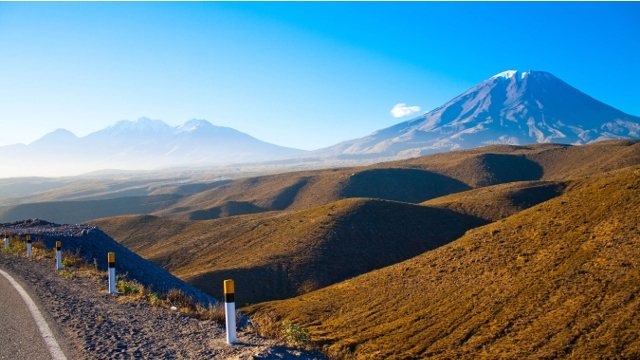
column 92, row 244
column 93, row 324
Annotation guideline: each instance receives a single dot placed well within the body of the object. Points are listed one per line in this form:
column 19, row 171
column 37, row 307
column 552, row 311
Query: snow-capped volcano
column 512, row 107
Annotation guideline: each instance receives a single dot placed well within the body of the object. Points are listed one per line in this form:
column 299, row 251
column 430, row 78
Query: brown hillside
column 245, row 196
column 189, row 189
column 280, row 255
column 302, row 190
column 496, row 202
column 414, row 180
column 555, row 162
column 569, row 162
column 558, row 280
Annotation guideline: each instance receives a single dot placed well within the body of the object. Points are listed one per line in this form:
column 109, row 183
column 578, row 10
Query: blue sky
column 304, row 75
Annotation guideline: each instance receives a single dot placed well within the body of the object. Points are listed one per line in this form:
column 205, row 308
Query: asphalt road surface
column 20, row 337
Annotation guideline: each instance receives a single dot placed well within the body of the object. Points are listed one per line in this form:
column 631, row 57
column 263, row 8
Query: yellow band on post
column 229, row 292
column 58, row 245
column 6, row 234
column 111, row 257
column 28, row 237
column 228, row 287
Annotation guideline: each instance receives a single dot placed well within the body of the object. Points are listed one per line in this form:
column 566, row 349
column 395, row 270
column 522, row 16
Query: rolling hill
column 304, row 250
column 497, row 202
column 276, row 255
column 301, row 190
column 413, row 180
column 558, row 280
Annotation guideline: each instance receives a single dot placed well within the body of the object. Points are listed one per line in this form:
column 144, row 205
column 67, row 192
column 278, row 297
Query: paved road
column 20, row 337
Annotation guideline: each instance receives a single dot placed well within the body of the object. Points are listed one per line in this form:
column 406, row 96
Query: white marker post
column 58, row 255
column 111, row 257
column 6, row 240
column 28, row 245
column 230, row 311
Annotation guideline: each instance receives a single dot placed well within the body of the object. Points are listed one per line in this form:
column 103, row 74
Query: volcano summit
column 512, row 107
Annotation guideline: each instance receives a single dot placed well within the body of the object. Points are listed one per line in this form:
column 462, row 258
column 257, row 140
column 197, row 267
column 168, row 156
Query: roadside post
column 6, row 240
column 230, row 311
column 28, row 245
column 111, row 257
column 58, row 255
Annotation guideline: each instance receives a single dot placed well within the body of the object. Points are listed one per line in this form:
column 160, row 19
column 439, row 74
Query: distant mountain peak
column 55, row 137
column 193, row 125
column 62, row 132
column 141, row 126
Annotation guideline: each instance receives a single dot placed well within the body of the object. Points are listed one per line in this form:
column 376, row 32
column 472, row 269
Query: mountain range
column 512, row 108
column 141, row 145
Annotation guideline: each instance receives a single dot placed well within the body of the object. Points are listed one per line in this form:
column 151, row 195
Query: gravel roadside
column 92, row 244
column 93, row 324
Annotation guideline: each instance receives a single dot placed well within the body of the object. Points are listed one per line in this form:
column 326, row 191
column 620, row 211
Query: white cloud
column 402, row 109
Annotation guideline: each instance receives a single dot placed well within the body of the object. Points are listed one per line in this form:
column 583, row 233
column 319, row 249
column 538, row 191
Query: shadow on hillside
column 252, row 285
column 535, row 195
column 407, row 185
column 504, row 168
column 287, row 196
column 375, row 235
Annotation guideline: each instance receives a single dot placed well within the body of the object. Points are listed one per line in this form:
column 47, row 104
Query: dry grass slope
column 495, row 164
column 190, row 189
column 413, row 180
column 277, row 255
column 303, row 190
column 558, row 280
column 497, row 202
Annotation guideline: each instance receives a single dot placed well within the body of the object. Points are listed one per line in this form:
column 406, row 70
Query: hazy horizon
column 300, row 75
